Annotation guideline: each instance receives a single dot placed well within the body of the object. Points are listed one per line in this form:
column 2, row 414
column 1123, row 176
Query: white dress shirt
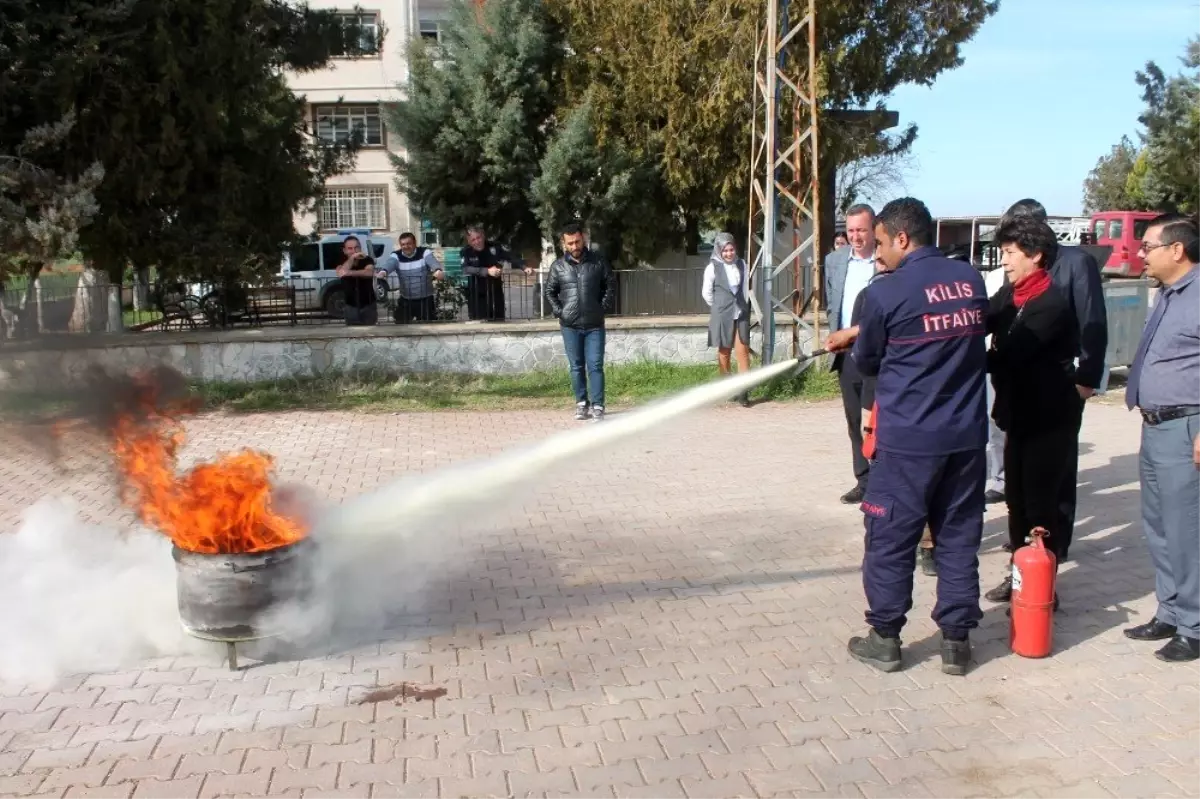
column 731, row 278
column 858, row 274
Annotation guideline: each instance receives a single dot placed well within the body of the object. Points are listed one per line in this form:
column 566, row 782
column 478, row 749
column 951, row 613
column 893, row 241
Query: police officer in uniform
column 922, row 333
column 482, row 263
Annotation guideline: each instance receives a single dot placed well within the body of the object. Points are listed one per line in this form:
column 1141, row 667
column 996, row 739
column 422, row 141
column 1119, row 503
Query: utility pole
column 785, row 184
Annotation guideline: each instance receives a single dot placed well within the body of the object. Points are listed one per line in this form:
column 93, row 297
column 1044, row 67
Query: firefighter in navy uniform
column 922, row 333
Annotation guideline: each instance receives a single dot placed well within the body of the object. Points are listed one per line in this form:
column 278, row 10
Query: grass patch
column 625, row 385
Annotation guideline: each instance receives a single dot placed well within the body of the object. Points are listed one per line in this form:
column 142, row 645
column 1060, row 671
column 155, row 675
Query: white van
column 310, row 269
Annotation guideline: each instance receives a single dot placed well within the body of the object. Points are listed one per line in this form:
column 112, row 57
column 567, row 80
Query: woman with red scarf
column 1031, row 360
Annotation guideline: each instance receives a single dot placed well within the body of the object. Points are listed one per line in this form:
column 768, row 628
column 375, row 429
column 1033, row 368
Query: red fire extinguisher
column 868, row 447
column 1031, row 631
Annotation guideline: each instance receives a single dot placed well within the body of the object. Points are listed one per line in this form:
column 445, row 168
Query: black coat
column 1077, row 276
column 1032, row 362
column 580, row 293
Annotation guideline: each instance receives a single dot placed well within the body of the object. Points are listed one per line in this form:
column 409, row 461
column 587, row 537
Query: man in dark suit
column 847, row 272
column 1077, row 275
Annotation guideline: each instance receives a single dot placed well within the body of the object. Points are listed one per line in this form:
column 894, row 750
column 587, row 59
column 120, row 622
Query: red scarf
column 1030, row 287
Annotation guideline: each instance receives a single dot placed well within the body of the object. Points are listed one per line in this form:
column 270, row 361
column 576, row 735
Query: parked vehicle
column 1123, row 231
column 310, row 269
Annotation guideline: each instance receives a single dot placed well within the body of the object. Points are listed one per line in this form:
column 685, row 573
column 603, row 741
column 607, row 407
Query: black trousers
column 1067, row 493
column 418, row 310
column 850, row 380
column 485, row 298
column 1036, row 467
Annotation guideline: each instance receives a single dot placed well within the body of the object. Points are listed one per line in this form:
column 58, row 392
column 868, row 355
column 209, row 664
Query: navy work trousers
column 904, row 494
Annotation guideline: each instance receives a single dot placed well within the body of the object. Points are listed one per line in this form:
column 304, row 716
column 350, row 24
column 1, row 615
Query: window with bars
column 361, row 35
column 358, row 206
column 337, row 123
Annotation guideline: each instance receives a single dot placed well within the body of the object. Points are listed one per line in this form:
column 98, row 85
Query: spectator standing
column 726, row 291
column 847, row 272
column 994, row 281
column 580, row 290
column 416, row 269
column 1077, row 276
column 1032, row 362
column 1164, row 385
column 358, row 284
column 483, row 262
column 922, row 333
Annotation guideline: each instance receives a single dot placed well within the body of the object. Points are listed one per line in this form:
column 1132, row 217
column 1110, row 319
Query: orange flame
column 216, row 508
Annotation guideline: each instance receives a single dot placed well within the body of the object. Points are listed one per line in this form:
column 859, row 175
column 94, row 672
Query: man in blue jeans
column 580, row 290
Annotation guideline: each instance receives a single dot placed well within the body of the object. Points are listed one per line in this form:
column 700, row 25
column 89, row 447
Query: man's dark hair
column 407, row 235
column 354, row 239
column 571, row 228
column 1026, row 207
column 1031, row 236
column 907, row 215
column 1179, row 229
column 860, row 208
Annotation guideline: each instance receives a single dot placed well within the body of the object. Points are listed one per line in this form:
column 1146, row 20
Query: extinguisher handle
column 1039, row 535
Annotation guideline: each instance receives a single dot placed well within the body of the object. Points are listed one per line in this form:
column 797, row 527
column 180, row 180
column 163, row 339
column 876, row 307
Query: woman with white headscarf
column 726, row 291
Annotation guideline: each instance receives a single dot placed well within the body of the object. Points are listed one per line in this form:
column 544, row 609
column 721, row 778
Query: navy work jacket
column 922, row 333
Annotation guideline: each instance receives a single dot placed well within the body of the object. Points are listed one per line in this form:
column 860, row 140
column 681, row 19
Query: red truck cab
column 1123, row 231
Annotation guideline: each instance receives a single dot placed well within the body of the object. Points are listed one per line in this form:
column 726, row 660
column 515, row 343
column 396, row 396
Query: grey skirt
column 721, row 328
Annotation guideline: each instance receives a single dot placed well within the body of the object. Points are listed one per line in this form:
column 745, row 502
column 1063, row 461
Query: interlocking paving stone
column 666, row 618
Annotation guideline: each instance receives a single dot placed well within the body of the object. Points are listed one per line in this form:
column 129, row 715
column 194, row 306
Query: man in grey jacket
column 847, row 272
column 1077, row 275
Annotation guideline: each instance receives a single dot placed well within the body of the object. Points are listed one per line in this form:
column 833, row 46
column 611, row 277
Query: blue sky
column 1046, row 88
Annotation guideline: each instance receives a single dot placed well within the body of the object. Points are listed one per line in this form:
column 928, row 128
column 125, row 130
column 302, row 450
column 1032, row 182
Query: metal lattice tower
column 785, row 183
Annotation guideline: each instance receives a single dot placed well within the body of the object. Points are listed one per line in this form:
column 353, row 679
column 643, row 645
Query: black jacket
column 1032, row 362
column 581, row 292
column 1077, row 277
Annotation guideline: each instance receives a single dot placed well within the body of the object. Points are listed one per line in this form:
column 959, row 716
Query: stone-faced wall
column 242, row 356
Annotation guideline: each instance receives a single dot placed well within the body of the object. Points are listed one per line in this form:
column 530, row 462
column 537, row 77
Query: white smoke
column 81, row 598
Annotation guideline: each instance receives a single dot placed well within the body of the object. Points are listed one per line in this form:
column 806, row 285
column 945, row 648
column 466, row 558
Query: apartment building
column 351, row 94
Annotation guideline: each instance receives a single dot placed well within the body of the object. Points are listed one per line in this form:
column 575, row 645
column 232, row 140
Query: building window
column 337, row 123
column 358, row 206
column 361, row 35
column 431, row 31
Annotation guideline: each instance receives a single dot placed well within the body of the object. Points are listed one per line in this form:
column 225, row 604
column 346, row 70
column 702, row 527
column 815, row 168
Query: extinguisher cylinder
column 1031, row 629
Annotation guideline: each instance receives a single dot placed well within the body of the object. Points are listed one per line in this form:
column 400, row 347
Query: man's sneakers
column 583, row 412
column 875, row 650
column 993, row 497
column 1002, row 592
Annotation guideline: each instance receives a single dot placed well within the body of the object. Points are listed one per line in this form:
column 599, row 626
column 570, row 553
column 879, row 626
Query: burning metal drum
column 231, row 598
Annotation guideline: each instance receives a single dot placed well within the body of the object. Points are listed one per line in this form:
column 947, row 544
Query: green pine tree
column 204, row 148
column 619, row 199
column 476, row 119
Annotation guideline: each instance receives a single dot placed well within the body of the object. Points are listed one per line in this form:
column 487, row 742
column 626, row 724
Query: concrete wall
column 281, row 353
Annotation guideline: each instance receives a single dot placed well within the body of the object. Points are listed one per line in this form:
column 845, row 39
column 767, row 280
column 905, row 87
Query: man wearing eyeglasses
column 1164, row 385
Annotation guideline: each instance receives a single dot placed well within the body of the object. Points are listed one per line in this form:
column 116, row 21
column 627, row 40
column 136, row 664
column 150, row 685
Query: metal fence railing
column 86, row 305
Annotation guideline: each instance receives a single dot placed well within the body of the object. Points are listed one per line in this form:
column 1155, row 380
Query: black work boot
column 956, row 655
column 926, row 561
column 875, row 650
